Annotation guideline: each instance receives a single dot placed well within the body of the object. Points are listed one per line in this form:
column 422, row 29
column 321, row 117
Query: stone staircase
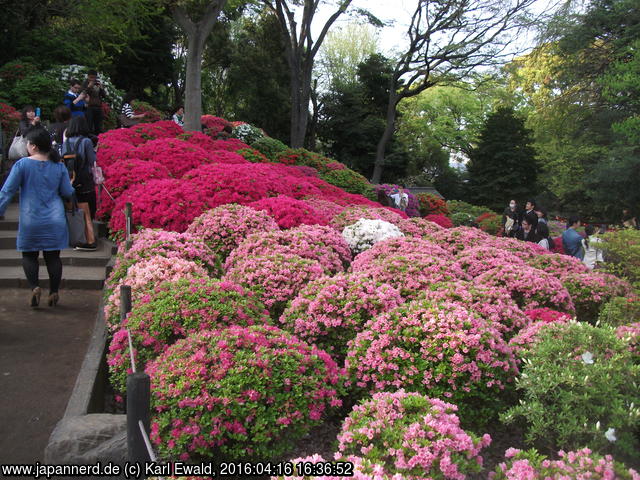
column 81, row 270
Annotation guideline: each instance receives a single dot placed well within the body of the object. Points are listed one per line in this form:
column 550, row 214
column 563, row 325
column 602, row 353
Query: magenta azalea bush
column 289, row 212
column 245, row 392
column 225, row 227
column 143, row 277
column 590, row 291
column 113, row 151
column 330, row 311
column 153, row 242
column 494, row 304
column 176, row 155
column 520, row 465
column 412, row 435
column 324, row 207
column 439, row 219
column 318, row 243
column 277, row 278
column 438, row 346
column 174, row 310
column 529, row 287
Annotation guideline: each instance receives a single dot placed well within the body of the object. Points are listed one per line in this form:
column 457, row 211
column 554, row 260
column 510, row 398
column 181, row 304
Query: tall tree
column 448, row 39
column 301, row 50
column 503, row 165
column 196, row 20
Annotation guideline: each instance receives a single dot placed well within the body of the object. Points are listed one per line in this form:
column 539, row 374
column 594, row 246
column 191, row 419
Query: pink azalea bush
column 530, row 465
column 120, row 175
column 529, row 287
column 324, row 207
column 312, row 242
column 402, row 245
column 590, row 291
column 152, row 242
column 526, row 338
column 458, row 239
column 477, row 260
column 494, row 304
column 278, row 278
column 438, row 346
column 439, row 219
column 417, row 227
column 246, row 392
column 413, row 435
column 330, row 311
column 176, row 155
column 225, row 227
column 143, row 277
column 631, row 334
column 289, row 212
column 214, row 125
column 174, row 310
column 557, row 265
column 352, row 214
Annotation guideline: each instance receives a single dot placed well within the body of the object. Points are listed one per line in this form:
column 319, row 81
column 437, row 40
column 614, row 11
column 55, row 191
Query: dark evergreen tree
column 503, row 164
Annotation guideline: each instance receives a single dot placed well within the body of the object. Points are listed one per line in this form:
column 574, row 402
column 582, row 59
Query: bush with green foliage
column 579, row 387
column 620, row 311
column 269, row 147
column 462, row 219
column 458, row 206
column 247, row 133
column 350, row 181
column 622, row 254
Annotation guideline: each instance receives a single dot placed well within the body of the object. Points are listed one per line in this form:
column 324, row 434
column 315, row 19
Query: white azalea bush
column 579, row 387
column 365, row 233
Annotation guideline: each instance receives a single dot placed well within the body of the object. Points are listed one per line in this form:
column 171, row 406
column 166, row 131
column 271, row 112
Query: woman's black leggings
column 54, row 268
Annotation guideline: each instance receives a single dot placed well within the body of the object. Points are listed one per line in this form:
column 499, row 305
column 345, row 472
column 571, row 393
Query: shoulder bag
column 18, row 148
column 75, row 224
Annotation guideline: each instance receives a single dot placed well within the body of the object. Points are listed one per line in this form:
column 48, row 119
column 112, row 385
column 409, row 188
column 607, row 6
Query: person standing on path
column 43, row 181
column 75, row 98
column 510, row 219
column 94, row 94
column 571, row 239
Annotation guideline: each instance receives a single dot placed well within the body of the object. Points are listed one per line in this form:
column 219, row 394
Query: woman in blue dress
column 43, row 180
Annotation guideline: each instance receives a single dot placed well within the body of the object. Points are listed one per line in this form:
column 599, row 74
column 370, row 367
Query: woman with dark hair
column 178, row 116
column 544, row 241
column 511, row 219
column 592, row 254
column 526, row 232
column 43, row 181
column 80, row 158
column 62, row 115
column 29, row 120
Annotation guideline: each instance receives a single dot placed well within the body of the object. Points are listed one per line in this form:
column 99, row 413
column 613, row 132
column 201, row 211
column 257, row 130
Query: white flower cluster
column 247, row 133
column 365, row 233
column 79, row 72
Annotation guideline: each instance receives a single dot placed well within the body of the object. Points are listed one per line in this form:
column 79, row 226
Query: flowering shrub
column 441, row 220
column 463, row 219
column 9, row 118
column 577, row 464
column 229, row 144
column 411, row 273
column 330, row 311
column 113, row 151
column 350, row 181
column 143, row 277
column 270, row 147
column 457, row 206
column 324, row 207
column 151, row 242
column 490, row 223
column 441, row 347
column 491, row 303
column 417, row 227
column 363, row 234
column 413, row 435
column 579, row 387
column 177, row 155
column 278, row 278
column 477, row 260
column 174, row 310
column 460, row 238
column 199, row 139
column 622, row 249
column 524, row 250
column 398, row 246
column 546, row 315
column 120, row 175
column 168, row 204
column 224, row 156
column 351, row 214
column 252, row 155
column 289, row 212
column 620, row 311
column 246, row 392
column 529, row 287
column 225, row 227
column 213, row 126
column 317, row 243
column 631, row 335
column 152, row 114
column 247, row 133
column 526, row 338
column 557, row 265
column 589, row 291
column 432, row 204
column 301, row 156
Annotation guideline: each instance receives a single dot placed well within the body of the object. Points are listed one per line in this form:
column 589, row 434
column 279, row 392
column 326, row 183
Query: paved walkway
column 41, row 351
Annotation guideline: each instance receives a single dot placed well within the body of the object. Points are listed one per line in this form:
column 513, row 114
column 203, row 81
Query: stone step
column 9, row 257
column 84, row 278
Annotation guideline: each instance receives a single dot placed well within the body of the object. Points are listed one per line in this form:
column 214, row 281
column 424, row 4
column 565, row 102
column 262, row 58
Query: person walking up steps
column 43, row 181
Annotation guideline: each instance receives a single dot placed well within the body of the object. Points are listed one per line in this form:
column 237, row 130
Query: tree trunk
column 384, row 139
column 193, row 83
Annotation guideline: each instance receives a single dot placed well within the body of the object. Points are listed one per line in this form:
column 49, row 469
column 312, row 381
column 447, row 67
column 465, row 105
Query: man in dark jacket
column 95, row 94
column 530, row 214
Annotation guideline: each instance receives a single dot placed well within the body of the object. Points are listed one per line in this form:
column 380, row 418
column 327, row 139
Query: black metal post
column 128, row 212
column 138, row 403
column 125, row 301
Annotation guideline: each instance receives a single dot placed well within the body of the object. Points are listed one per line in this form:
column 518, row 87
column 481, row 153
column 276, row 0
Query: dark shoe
column 53, row 299
column 88, row 247
column 35, row 296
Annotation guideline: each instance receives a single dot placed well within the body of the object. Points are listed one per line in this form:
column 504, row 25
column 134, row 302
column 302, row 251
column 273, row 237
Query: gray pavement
column 41, row 351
